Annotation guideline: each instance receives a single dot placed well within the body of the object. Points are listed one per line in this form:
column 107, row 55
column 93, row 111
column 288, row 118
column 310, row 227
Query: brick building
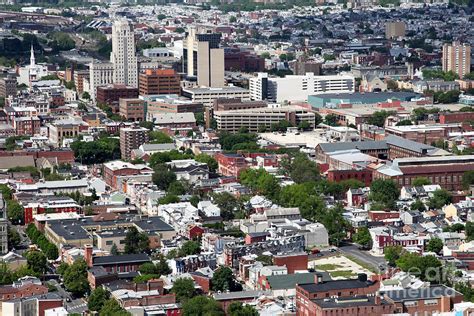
column 230, row 164
column 159, row 81
column 455, row 117
column 308, row 295
column 447, row 171
column 132, row 109
column 111, row 94
column 114, row 169
column 244, row 61
column 363, row 175
column 293, row 261
column 223, row 104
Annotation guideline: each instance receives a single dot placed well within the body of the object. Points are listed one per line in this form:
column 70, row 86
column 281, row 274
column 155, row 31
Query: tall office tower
column 131, row 138
column 3, row 226
column 202, row 58
column 457, row 58
column 123, row 54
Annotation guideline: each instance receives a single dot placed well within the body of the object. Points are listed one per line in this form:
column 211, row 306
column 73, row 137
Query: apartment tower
column 457, row 58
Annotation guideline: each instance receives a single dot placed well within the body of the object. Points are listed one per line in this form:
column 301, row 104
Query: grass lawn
column 327, row 267
column 343, row 274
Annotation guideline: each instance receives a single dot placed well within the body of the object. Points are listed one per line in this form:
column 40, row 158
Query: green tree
column 261, row 182
column 363, row 238
column 435, row 245
column 305, row 197
column 238, row 309
column 427, row 268
column 209, row 160
column 266, row 260
column 418, row 205
column 112, row 308
column 384, row 192
column 184, row 289
column 36, row 261
column 227, row 203
column 302, row 169
column 15, row 212
column 190, row 247
column 421, row 181
column 223, row 280
column 330, row 119
column 97, row 299
column 163, row 177
column 378, row 118
column 114, row 250
column 75, row 278
column 469, row 230
column 136, row 242
column 202, row 306
column 157, row 137
column 439, row 199
column 147, row 268
column 168, row 199
column 468, row 179
column 335, row 223
column 392, row 254
column 14, row 239
column 404, row 123
column 96, row 152
column 162, row 267
column 86, row 96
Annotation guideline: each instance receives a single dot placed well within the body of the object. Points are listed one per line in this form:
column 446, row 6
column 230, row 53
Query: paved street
column 362, row 255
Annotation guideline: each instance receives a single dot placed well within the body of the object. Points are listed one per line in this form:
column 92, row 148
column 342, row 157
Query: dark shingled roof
column 130, row 258
column 335, row 285
column 367, row 145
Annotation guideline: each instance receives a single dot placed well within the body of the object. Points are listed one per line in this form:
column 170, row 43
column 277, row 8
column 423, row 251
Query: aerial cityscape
column 236, row 158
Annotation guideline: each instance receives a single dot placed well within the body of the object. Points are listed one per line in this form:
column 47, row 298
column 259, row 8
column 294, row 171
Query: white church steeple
column 32, row 56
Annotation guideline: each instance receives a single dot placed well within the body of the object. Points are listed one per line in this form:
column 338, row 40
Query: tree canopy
column 136, row 242
column 202, row 306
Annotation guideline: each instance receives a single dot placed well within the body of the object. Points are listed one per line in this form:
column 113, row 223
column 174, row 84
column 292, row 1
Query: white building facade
column 298, row 88
column 123, row 55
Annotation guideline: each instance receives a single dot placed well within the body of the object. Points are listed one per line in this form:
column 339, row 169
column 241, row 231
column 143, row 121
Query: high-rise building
column 203, row 59
column 395, row 29
column 3, row 226
column 159, row 81
column 100, row 74
column 131, row 138
column 457, row 58
column 8, row 86
column 123, row 54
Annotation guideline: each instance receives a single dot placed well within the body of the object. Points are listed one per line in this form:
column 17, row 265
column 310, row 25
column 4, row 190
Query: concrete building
column 159, row 81
column 206, row 96
column 203, row 59
column 253, row 119
column 132, row 109
column 297, row 88
column 131, row 138
column 301, row 67
column 79, row 77
column 123, row 54
column 395, row 29
column 171, row 103
column 457, row 58
column 8, row 86
column 100, row 74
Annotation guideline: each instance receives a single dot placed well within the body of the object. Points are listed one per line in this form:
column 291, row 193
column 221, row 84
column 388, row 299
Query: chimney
column 318, row 278
column 378, row 298
column 88, row 255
